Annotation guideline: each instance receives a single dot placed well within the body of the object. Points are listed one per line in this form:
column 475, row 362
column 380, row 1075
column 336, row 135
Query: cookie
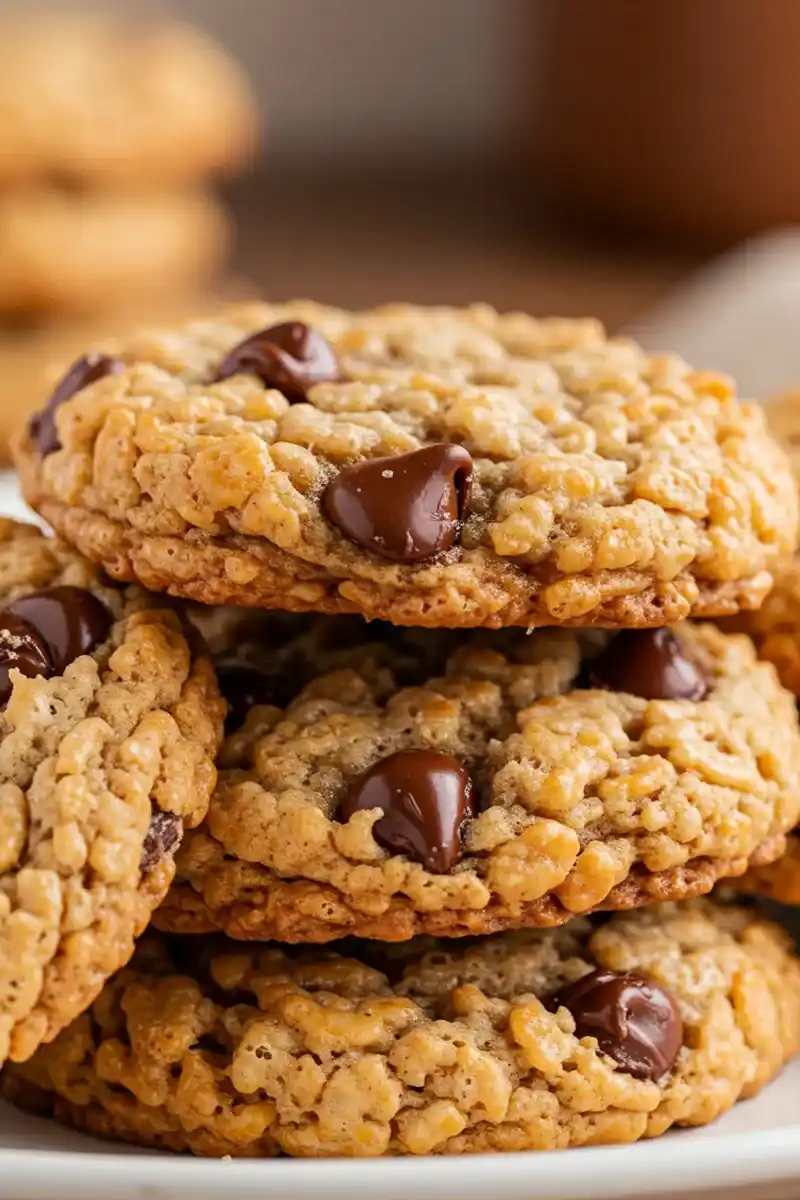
column 33, row 356
column 72, row 253
column 106, row 102
column 518, row 780
column 433, row 467
column 527, row 1041
column 110, row 718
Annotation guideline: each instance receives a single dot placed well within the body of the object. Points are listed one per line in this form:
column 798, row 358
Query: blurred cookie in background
column 112, row 133
column 102, row 102
column 113, row 130
column 78, row 252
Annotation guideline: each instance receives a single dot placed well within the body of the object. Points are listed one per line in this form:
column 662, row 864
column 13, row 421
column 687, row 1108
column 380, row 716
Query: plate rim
column 589, row 1173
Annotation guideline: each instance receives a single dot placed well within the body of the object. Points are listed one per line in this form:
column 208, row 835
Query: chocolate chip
column 425, row 798
column 651, row 663
column 635, row 1022
column 291, row 357
column 71, row 620
column 163, row 835
column 243, row 686
column 86, row 370
column 21, row 647
column 406, row 508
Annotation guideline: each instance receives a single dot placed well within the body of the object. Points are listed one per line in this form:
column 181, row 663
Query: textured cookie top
column 519, row 1042
column 430, row 466
column 519, row 780
column 107, row 102
column 34, row 356
column 108, row 723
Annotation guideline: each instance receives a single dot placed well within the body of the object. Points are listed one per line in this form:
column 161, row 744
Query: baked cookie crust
column 448, row 1049
column 103, row 762
column 541, row 787
column 536, row 473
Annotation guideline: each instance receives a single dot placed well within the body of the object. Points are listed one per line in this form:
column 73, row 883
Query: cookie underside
column 448, row 1048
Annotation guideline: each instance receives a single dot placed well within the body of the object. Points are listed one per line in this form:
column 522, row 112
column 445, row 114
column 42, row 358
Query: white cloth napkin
column 741, row 315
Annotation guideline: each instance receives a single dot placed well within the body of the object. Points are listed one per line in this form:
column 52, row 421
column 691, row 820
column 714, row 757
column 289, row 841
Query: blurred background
column 399, row 157
column 569, row 156
column 558, row 155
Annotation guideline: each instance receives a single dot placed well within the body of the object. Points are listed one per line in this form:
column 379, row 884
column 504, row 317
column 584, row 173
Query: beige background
column 351, row 77
column 374, row 76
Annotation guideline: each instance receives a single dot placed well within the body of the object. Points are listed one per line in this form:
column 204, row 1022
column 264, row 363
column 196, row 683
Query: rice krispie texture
column 452, row 785
column 110, row 720
column 435, row 467
column 526, row 1041
column 33, row 356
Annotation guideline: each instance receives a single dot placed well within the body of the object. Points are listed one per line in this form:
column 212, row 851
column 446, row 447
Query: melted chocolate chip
column 162, row 837
column 651, row 663
column 407, row 508
column 635, row 1021
column 86, row 370
column 291, row 357
column 425, row 798
column 243, row 686
column 22, row 648
column 71, row 620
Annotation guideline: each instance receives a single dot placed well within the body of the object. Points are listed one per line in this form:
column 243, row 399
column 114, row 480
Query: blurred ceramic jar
column 680, row 117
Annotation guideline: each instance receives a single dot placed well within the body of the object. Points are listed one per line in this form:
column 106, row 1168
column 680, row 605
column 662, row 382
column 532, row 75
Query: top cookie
column 433, row 467
column 109, row 719
column 91, row 99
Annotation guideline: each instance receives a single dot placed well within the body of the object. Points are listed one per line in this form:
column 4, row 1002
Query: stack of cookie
column 482, row 764
column 109, row 133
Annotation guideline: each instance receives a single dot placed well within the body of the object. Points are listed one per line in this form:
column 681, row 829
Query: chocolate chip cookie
column 434, row 467
column 110, row 718
column 71, row 253
column 33, row 355
column 94, row 100
column 526, row 1041
column 516, row 780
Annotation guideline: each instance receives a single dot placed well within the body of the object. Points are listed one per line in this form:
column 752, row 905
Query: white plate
column 755, row 1148
column 757, row 1145
column 12, row 505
